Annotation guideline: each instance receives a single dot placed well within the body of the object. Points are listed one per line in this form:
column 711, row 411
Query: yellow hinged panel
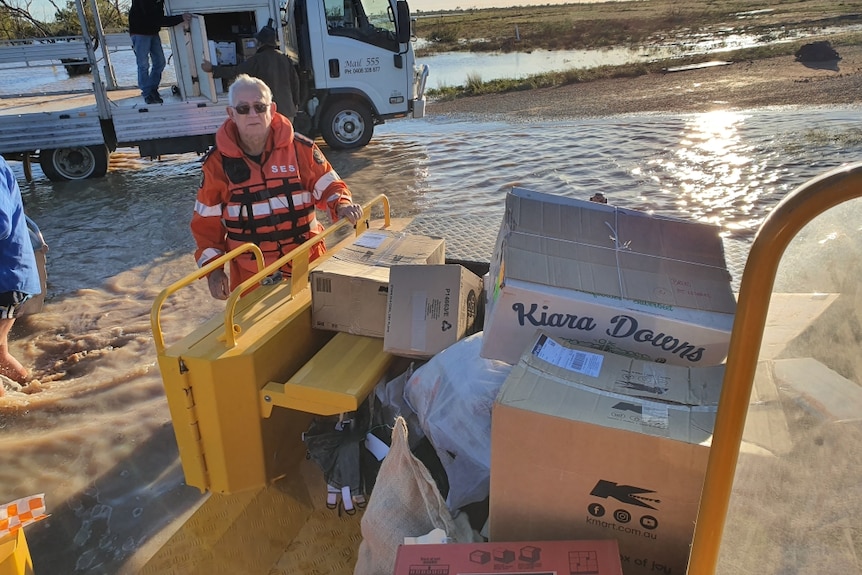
column 213, row 391
column 336, row 380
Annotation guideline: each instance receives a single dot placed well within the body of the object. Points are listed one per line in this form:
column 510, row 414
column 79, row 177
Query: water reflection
column 710, row 165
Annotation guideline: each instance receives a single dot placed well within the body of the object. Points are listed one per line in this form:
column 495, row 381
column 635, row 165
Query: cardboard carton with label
column 587, row 444
column 429, row 308
column 349, row 290
column 515, row 558
column 653, row 288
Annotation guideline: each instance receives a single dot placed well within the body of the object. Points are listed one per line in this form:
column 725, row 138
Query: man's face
column 254, row 123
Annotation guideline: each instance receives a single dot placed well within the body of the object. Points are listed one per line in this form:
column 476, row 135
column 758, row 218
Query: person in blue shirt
column 19, row 274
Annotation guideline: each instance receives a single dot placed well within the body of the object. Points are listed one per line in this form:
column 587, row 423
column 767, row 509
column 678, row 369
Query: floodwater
column 93, row 431
column 455, row 68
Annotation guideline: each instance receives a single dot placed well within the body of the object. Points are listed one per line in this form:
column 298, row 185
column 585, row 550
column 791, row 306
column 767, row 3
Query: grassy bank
column 629, row 24
column 625, row 23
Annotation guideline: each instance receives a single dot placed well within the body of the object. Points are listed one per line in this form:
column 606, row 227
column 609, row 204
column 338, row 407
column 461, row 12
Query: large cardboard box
column 618, row 280
column 429, row 308
column 349, row 291
column 590, row 445
column 515, row 558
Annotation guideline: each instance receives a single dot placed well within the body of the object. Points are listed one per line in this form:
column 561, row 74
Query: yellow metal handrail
column 156, row 311
column 788, row 218
column 300, row 268
column 299, row 258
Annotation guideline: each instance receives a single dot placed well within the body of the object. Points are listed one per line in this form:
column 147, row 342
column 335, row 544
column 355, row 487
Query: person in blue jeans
column 19, row 274
column 146, row 18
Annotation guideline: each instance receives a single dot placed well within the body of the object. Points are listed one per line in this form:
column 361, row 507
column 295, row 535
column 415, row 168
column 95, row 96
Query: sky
column 42, row 9
column 431, row 5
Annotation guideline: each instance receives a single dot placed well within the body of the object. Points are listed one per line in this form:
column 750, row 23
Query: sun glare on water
column 714, row 172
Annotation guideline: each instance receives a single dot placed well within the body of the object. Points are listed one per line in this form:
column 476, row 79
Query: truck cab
column 354, row 59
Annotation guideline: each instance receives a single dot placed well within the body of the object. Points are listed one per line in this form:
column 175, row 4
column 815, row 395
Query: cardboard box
column 516, row 558
column 349, row 290
column 225, row 53
column 590, row 445
column 429, row 308
column 618, row 280
column 248, row 47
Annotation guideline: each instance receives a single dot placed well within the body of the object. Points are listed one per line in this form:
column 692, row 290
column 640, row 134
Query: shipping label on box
column 613, row 279
column 429, row 308
column 600, row 557
column 349, row 291
column 248, row 47
column 588, row 444
column 225, row 53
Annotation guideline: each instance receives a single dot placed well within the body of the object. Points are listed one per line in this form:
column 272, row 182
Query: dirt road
column 769, row 82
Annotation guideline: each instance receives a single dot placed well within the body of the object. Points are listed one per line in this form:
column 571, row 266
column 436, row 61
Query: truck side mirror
column 402, row 24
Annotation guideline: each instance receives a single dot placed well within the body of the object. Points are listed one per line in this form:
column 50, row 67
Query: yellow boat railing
column 788, row 218
column 299, row 258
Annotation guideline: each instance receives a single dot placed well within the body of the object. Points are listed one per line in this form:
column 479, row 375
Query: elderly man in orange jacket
column 262, row 183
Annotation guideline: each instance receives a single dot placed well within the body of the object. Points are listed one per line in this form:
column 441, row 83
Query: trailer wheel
column 77, row 163
column 347, row 124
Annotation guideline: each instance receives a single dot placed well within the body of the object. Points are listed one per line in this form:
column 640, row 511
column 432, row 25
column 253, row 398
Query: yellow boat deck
column 282, row 529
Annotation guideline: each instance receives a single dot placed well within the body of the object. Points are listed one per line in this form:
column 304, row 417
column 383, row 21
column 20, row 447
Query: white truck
column 355, row 61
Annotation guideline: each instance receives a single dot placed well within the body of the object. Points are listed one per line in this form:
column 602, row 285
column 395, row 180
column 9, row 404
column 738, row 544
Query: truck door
column 198, row 47
column 360, row 68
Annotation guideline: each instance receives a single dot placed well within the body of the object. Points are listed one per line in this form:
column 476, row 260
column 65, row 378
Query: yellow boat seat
column 337, row 379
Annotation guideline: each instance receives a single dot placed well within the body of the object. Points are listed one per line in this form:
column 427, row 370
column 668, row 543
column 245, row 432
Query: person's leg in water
column 9, row 366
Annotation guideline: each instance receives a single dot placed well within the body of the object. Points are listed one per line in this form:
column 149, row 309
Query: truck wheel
column 347, row 124
column 77, row 163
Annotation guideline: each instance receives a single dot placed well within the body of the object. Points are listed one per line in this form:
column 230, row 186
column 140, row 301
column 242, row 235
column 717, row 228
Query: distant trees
column 113, row 15
column 17, row 20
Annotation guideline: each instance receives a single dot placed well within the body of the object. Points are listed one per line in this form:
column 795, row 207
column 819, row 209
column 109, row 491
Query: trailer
column 354, row 58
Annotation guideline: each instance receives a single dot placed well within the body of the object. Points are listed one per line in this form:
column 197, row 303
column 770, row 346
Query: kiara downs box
column 653, row 288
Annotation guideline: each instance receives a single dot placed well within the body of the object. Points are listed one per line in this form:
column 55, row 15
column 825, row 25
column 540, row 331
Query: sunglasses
column 244, row 109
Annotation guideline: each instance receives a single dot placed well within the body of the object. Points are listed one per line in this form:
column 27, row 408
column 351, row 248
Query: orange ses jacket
column 271, row 204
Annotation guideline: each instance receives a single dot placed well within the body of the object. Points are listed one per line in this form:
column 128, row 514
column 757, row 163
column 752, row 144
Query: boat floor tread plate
column 469, row 239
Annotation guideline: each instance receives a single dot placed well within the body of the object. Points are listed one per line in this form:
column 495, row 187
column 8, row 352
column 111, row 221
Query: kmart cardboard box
column 653, row 288
column 349, row 291
column 429, row 308
column 515, row 558
column 590, row 445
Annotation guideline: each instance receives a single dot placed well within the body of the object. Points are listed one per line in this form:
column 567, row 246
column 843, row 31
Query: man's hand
column 351, row 211
column 207, row 66
column 219, row 284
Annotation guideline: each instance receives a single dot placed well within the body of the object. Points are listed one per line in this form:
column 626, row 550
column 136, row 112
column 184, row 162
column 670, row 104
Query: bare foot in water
column 12, row 368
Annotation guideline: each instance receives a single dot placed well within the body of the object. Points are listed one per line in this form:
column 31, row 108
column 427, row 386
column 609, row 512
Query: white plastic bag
column 452, row 396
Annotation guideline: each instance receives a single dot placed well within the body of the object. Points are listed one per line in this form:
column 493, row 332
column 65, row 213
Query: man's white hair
column 246, row 81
